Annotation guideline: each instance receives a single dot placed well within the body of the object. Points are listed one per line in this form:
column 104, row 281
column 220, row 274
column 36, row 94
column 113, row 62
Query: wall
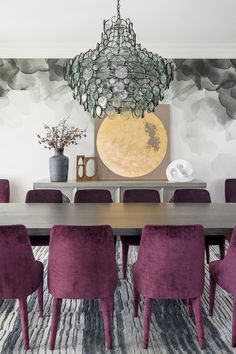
column 203, row 99
column 32, row 92
column 203, row 129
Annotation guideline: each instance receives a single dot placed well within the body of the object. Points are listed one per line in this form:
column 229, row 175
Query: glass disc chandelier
column 118, row 76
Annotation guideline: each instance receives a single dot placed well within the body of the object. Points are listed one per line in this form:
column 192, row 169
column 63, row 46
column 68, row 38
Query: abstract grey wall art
column 202, row 98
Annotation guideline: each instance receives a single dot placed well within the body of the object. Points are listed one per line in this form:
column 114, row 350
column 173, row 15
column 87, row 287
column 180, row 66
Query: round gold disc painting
column 132, row 147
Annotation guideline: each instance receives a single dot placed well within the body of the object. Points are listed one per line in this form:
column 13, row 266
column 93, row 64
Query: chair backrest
column 230, row 190
column 191, row 196
column 44, row 196
column 81, row 262
column 93, row 196
column 4, row 191
column 171, row 260
column 141, row 196
column 16, row 262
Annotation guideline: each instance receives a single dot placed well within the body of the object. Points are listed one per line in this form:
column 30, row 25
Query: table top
column 125, row 218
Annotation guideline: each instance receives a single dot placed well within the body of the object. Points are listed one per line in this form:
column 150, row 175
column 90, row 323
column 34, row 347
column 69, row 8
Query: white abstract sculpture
column 180, row 171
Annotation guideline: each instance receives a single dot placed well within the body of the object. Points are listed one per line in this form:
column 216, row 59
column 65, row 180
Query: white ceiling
column 166, row 22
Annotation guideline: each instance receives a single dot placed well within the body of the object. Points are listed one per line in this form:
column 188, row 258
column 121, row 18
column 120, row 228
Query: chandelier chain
column 118, row 10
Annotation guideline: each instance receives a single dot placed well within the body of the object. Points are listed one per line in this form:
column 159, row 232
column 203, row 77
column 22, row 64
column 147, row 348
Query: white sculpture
column 180, row 171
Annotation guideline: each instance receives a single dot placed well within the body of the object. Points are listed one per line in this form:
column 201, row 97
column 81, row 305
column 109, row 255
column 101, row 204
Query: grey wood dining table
column 124, row 218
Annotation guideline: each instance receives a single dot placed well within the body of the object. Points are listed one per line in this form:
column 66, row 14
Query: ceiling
column 166, row 22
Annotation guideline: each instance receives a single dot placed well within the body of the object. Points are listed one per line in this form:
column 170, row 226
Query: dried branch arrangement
column 61, row 135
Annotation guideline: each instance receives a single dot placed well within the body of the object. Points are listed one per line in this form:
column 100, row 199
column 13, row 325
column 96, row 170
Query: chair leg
column 24, row 322
column 112, row 306
column 56, row 308
column 115, row 240
column 135, row 301
column 190, row 307
column 234, row 323
column 147, row 320
column 199, row 322
column 40, row 298
column 222, row 249
column 106, row 313
column 207, row 247
column 125, row 251
column 212, row 295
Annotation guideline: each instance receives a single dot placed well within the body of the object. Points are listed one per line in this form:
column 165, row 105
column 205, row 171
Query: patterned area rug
column 81, row 325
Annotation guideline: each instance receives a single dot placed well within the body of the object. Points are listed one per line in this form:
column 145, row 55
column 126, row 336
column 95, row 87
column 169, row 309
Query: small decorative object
column 57, row 138
column 118, row 76
column 82, row 163
column 180, row 171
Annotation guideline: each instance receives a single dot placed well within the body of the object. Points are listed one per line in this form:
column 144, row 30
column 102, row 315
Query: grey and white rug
column 81, row 325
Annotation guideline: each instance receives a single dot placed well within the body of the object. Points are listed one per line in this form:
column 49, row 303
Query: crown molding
column 69, row 50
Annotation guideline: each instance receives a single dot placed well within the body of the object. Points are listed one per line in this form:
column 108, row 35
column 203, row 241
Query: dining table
column 124, row 218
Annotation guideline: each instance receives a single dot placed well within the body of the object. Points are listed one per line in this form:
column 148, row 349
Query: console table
column 117, row 187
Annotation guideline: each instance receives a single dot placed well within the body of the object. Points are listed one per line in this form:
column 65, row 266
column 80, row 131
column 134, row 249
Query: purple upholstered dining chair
column 82, row 266
column 230, row 190
column 201, row 196
column 4, row 191
column 135, row 196
column 20, row 274
column 223, row 273
column 170, row 265
column 93, row 196
column 43, row 196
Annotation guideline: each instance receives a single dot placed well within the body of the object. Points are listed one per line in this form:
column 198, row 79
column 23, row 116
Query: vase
column 58, row 166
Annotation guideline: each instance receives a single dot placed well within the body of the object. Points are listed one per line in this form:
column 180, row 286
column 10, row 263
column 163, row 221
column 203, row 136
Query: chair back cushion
column 170, row 262
column 18, row 267
column 141, row 196
column 44, row 196
column 82, row 262
column 4, row 191
column 230, row 190
column 191, row 196
column 93, row 196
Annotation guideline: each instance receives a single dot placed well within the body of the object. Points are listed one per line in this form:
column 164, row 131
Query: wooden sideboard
column 117, row 187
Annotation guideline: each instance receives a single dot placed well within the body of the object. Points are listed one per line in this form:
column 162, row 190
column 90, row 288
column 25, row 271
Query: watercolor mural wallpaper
column 203, row 117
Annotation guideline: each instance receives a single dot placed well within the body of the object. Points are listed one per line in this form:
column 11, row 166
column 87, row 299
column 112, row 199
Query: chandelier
column 119, row 76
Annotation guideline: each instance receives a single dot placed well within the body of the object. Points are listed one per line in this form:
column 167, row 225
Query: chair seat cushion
column 214, row 240
column 131, row 240
column 42, row 240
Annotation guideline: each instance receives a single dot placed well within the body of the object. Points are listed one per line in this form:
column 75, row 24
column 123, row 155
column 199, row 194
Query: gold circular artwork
column 132, row 147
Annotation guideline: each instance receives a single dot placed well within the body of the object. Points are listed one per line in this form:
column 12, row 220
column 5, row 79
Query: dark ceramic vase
column 58, row 166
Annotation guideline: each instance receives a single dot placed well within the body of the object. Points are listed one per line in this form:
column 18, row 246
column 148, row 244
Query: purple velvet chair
column 20, row 274
column 93, row 196
column 135, row 196
column 230, row 190
column 82, row 265
column 43, row 196
column 201, row 196
column 170, row 265
column 223, row 273
column 4, row 191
